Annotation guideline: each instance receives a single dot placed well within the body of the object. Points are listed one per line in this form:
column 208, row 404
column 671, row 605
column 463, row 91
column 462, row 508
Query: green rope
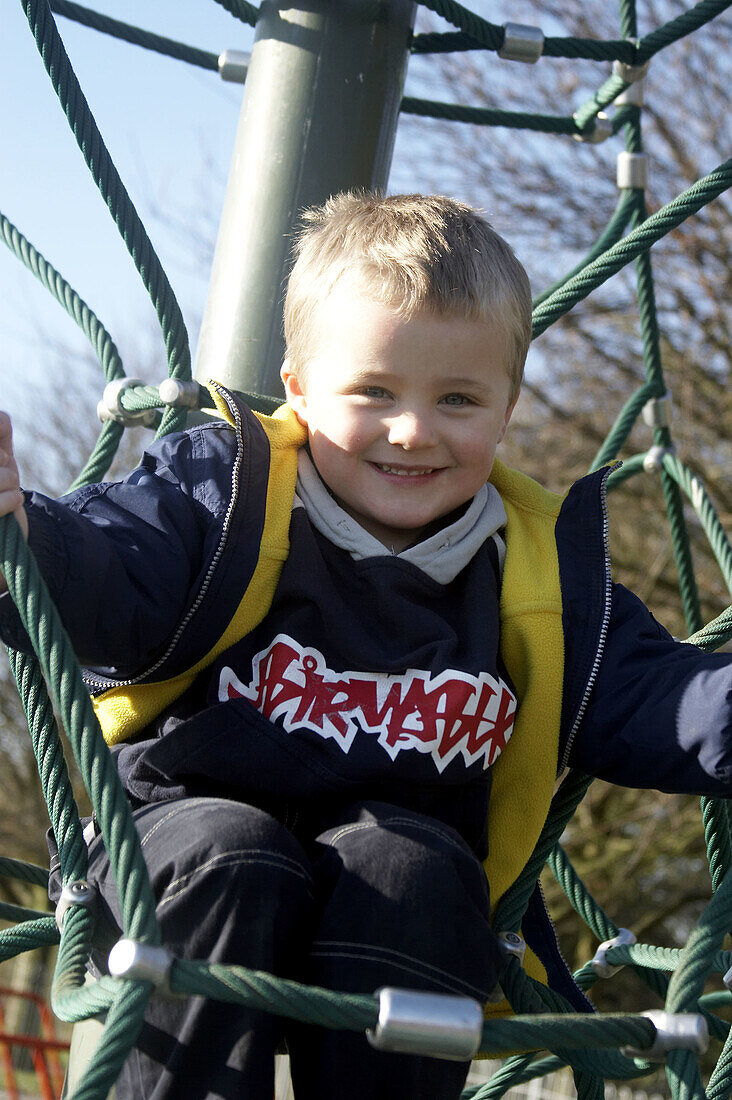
column 641, row 238
column 97, row 335
column 610, row 235
column 122, row 1026
column 101, row 457
column 593, row 915
column 27, row 937
column 55, row 781
column 62, row 674
column 241, row 10
column 679, row 27
column 20, row 913
column 575, row 48
column 104, row 346
column 135, row 35
column 512, row 906
column 488, row 116
column 546, row 1020
column 714, row 634
column 23, row 872
column 110, row 185
column 706, row 512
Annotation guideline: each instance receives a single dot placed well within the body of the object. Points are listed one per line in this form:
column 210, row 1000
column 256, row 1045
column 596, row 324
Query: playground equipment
column 45, row 1048
column 244, row 344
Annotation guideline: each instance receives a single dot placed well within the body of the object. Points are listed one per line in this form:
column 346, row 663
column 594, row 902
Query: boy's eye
column 376, row 392
column 456, row 399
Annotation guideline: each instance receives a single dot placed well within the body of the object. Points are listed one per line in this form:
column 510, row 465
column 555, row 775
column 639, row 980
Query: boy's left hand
column 11, row 497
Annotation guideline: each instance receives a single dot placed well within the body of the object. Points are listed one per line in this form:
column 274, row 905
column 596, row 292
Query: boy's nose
column 410, row 431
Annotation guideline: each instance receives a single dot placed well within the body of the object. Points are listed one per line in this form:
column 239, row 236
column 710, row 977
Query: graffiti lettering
column 448, row 715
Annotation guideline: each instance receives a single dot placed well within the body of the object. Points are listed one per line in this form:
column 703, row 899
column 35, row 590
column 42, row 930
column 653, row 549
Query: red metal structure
column 45, row 1049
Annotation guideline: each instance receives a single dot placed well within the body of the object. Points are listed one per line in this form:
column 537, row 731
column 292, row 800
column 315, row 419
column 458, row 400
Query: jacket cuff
column 52, row 564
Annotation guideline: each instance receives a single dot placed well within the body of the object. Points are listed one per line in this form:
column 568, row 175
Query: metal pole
column 319, row 115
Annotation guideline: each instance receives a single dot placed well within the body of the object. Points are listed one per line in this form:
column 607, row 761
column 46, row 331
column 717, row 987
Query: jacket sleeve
column 660, row 712
column 121, row 560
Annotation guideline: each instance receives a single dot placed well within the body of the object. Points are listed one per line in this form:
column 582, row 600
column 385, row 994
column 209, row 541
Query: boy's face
column 403, row 415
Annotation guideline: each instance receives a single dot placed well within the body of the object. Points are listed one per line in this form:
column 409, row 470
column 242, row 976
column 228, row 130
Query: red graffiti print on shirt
column 446, row 715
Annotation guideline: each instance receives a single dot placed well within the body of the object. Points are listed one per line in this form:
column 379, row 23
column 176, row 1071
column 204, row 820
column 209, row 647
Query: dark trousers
column 383, row 897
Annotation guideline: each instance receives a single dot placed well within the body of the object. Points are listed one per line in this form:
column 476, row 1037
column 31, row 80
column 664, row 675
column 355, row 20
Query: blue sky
column 161, row 120
column 170, row 129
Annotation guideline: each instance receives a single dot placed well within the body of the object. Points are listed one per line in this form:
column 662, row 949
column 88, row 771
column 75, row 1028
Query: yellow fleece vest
column 532, row 647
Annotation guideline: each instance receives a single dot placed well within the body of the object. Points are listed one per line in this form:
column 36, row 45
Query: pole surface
column 319, row 114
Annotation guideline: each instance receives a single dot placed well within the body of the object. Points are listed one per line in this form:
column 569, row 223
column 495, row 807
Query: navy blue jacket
column 637, row 707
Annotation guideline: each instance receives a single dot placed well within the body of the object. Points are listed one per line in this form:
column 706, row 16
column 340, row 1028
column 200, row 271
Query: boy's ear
column 509, row 412
column 294, row 392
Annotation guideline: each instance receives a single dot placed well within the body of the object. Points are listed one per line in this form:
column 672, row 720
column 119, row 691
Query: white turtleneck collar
column 441, row 556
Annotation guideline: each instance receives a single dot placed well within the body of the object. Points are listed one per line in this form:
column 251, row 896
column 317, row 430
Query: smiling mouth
column 404, row 471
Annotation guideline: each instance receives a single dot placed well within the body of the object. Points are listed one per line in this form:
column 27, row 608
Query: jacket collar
column 441, row 556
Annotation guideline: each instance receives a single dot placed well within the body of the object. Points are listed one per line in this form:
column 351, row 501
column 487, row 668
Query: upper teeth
column 402, row 472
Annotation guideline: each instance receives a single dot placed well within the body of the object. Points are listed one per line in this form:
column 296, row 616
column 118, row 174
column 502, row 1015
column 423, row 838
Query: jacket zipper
column 233, row 497
column 568, row 968
column 603, row 626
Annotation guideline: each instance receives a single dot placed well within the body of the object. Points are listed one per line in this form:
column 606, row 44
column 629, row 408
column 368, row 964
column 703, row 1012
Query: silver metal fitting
column 233, row 65
column 599, row 963
column 603, row 129
column 727, row 979
column 658, row 411
column 674, row 1031
column 511, row 943
column 74, row 893
column 653, row 462
column 432, row 1024
column 180, row 395
column 630, row 73
column 632, row 170
column 521, row 43
column 142, row 961
column 110, row 407
column 632, row 96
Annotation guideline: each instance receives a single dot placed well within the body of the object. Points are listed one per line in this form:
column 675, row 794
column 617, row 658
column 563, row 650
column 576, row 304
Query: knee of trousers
column 220, row 871
column 415, row 853
column 408, row 905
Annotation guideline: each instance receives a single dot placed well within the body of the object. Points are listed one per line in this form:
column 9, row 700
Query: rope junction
column 592, row 1045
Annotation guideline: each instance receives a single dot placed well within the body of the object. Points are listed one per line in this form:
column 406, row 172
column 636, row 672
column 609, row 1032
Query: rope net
column 591, row 1044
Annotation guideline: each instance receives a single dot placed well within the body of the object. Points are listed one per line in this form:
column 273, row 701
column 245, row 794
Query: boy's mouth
column 404, row 471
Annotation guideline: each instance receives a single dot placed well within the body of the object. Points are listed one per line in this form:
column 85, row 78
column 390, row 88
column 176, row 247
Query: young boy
column 347, row 655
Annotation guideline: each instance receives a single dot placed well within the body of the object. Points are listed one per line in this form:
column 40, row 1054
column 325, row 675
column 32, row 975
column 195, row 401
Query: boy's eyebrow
column 363, row 374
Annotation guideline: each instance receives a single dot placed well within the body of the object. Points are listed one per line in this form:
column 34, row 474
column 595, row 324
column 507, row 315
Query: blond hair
column 411, row 252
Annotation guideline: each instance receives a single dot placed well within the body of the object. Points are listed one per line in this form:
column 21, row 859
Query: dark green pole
column 319, row 115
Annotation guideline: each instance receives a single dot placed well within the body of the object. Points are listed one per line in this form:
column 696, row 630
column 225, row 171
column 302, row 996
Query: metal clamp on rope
column 521, row 43
column 658, row 411
column 510, row 943
column 233, row 65
column 674, row 1031
column 601, row 131
column 632, row 96
column 653, row 462
column 142, row 961
column 182, row 395
column 599, row 963
column 632, row 171
column 110, row 407
column 630, row 73
column 432, row 1024
column 74, row 893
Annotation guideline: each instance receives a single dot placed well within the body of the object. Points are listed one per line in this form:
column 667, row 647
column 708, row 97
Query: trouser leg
column 232, row 886
column 407, row 905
